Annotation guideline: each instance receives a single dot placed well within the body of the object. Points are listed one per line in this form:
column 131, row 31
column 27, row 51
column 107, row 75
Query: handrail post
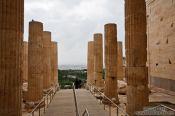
column 50, row 96
column 117, row 112
column 44, row 105
column 39, row 110
column 109, row 110
column 47, row 101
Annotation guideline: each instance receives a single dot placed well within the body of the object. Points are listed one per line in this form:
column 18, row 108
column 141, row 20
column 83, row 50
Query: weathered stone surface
column 135, row 29
column 122, row 85
column 120, row 73
column 11, row 38
column 46, row 60
column 90, row 60
column 35, row 61
column 98, row 60
column 136, row 55
column 111, row 61
column 25, row 61
column 54, row 63
column 137, row 76
column 161, row 43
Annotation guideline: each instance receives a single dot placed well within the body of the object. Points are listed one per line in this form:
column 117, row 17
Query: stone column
column 120, row 75
column 54, row 63
column 46, row 60
column 11, row 37
column 111, row 61
column 136, row 55
column 35, row 61
column 25, row 61
column 98, row 60
column 90, row 61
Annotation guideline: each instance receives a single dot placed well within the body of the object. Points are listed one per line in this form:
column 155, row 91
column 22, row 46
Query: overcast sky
column 73, row 23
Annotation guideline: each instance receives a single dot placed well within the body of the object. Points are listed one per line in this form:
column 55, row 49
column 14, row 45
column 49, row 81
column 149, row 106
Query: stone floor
column 156, row 97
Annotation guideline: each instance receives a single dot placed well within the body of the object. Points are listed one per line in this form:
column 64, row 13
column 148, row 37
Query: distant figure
column 77, row 83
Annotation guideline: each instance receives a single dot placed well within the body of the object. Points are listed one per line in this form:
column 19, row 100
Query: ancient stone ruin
column 120, row 72
column 90, row 72
column 11, row 40
column 111, row 61
column 29, row 69
column 54, row 63
column 47, row 60
column 136, row 55
column 35, row 61
column 98, row 60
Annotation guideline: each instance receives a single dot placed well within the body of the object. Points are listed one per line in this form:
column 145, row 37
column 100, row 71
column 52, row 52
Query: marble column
column 35, row 61
column 90, row 62
column 120, row 73
column 25, row 61
column 98, row 60
column 46, row 60
column 111, row 61
column 136, row 55
column 11, row 38
column 54, row 63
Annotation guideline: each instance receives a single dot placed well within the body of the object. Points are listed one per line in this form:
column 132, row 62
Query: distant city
column 72, row 67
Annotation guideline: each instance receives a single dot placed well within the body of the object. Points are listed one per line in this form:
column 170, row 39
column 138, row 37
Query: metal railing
column 119, row 110
column 85, row 113
column 44, row 102
column 161, row 110
column 75, row 100
column 171, row 109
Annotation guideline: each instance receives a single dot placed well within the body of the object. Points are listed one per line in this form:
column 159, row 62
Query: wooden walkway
column 63, row 104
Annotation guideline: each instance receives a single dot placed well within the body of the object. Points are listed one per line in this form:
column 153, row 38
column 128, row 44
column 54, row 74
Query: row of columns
column 113, row 57
column 42, row 62
column 21, row 61
column 136, row 57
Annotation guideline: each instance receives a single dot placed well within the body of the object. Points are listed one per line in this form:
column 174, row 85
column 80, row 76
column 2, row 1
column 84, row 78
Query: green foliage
column 67, row 77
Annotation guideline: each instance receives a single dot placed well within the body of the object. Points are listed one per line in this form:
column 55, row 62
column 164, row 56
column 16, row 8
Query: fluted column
column 35, row 61
column 90, row 61
column 11, row 37
column 136, row 55
column 54, row 63
column 46, row 60
column 111, row 61
column 98, row 60
column 120, row 75
column 25, row 61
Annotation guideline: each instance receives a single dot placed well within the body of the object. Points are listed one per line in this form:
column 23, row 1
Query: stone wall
column 161, row 43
